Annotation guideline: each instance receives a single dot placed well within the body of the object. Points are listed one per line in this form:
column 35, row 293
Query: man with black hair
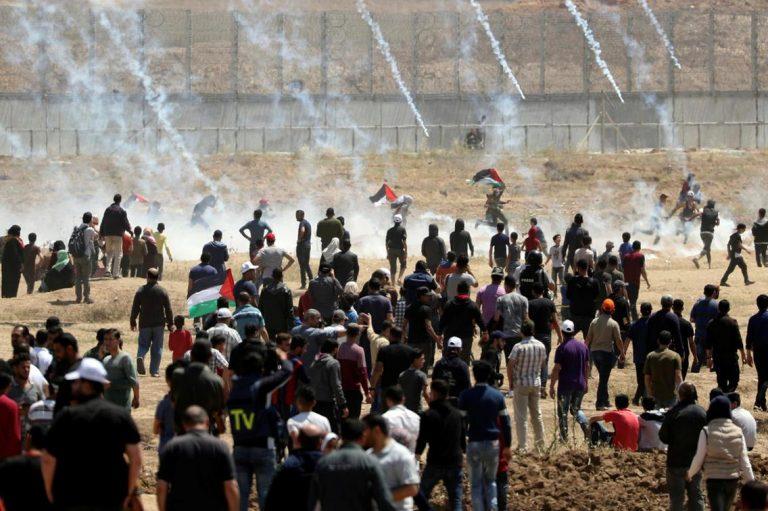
column 753, row 496
column 328, row 228
column 345, row 265
column 499, row 247
column 638, row 338
column 397, row 248
column 461, row 240
column 743, row 419
column 688, row 345
column 663, row 372
column 391, row 361
column 582, row 292
column 255, row 423
column 722, row 344
column 709, row 220
column 760, row 235
column 378, row 306
column 757, row 348
column 354, row 374
column 219, row 252
column 626, row 426
column 349, row 479
column 735, row 247
column 200, row 271
column 526, row 362
column 680, row 431
column 417, row 324
column 325, row 378
column 276, row 305
column 291, row 483
column 303, row 247
column 634, row 269
column 442, row 429
column 401, row 472
column 416, row 280
column 574, row 240
column 91, row 439
column 305, row 402
column 81, row 250
column 702, row 312
column 512, row 310
column 460, row 317
column 197, row 471
column 152, row 308
column 197, row 385
column 461, row 274
column 487, row 417
column 533, row 273
column 114, row 222
column 257, row 229
column 665, row 320
column 543, row 312
column 325, row 291
column 66, row 359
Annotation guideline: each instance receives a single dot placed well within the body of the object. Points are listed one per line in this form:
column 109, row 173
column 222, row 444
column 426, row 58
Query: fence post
column 711, row 51
column 543, row 52
column 189, row 52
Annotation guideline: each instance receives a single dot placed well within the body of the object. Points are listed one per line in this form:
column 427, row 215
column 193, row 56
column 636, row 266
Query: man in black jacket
column 114, row 223
column 442, row 427
column 680, row 431
column 461, row 240
column 664, row 319
column 459, row 319
column 345, row 265
column 723, row 343
column 581, row 291
column 276, row 305
column 433, row 249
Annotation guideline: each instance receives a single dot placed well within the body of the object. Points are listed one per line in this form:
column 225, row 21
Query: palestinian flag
column 487, row 177
column 206, row 291
column 385, row 192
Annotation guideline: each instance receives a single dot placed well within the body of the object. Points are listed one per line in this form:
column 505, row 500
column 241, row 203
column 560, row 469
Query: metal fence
column 332, row 53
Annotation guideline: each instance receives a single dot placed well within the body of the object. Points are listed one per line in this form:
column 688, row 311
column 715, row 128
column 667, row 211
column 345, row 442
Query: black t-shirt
column 417, row 314
column 734, row 245
column 396, row 358
column 88, row 442
column 396, row 237
column 686, row 332
column 196, row 465
column 21, row 484
column 540, row 311
column 582, row 292
column 500, row 244
column 267, row 352
column 708, row 220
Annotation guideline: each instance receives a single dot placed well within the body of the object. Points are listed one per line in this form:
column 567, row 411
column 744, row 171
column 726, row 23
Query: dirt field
column 557, row 187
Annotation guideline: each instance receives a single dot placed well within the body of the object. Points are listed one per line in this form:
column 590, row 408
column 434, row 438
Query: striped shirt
column 529, row 356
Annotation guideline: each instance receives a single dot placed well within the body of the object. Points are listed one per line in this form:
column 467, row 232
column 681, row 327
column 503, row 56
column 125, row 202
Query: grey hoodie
column 325, row 375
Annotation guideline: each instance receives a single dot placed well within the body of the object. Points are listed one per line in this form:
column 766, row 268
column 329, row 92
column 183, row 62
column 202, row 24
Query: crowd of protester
column 332, row 397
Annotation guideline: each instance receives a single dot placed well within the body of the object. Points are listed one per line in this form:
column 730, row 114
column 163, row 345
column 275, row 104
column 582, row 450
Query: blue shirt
column 703, row 311
column 624, row 249
column 201, row 271
column 414, row 281
column 484, row 406
column 757, row 333
column 219, row 254
column 500, row 244
column 246, row 285
column 638, row 332
column 164, row 414
column 307, row 239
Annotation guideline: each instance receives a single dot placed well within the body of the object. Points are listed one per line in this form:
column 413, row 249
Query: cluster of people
column 332, row 397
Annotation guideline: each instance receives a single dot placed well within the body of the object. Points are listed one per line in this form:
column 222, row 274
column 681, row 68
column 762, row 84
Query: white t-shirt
column 743, row 419
column 298, row 421
column 584, row 254
column 649, row 433
column 42, row 358
column 270, row 258
column 38, row 380
column 399, row 467
column 403, row 425
column 556, row 256
column 452, row 283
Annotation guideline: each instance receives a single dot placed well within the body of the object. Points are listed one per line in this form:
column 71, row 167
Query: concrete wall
column 56, row 126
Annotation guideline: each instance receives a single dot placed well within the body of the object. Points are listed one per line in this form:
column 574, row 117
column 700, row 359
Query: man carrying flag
column 493, row 202
column 152, row 308
column 400, row 205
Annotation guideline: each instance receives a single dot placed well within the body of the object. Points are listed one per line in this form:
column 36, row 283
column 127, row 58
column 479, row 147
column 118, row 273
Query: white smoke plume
column 383, row 45
column 482, row 18
column 660, row 31
column 593, row 44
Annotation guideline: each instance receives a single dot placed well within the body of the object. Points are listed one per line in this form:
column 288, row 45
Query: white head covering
column 331, row 250
column 351, row 287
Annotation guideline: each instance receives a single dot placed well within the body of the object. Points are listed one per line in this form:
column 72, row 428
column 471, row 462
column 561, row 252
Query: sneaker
column 749, row 282
column 140, row 366
column 155, row 375
column 78, row 300
column 696, row 263
column 88, row 301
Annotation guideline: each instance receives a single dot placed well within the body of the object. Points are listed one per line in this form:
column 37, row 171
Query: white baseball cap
column 248, row 266
column 454, row 342
column 223, row 313
column 568, row 326
column 90, row 369
column 398, row 218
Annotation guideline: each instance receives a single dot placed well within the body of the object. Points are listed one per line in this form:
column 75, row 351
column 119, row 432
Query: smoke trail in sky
column 593, row 44
column 482, row 18
column 387, row 54
column 660, row 31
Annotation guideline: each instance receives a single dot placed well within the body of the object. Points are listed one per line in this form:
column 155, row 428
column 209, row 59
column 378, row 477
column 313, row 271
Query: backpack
column 76, row 245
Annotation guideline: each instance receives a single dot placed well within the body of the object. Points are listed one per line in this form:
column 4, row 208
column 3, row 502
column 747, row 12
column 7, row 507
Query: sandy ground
column 533, row 480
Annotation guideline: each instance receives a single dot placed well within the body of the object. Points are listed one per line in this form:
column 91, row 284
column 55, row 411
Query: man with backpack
column 81, row 247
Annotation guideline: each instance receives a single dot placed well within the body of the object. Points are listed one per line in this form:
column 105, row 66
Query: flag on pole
column 487, row 177
column 206, row 292
column 384, row 193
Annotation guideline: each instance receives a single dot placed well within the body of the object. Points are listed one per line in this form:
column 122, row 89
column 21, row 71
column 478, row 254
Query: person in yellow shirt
column 162, row 244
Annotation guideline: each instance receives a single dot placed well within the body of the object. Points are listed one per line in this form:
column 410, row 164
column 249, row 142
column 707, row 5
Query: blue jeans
column 483, row 461
column 570, row 401
column 151, row 339
column 451, row 477
column 254, row 461
column 604, row 362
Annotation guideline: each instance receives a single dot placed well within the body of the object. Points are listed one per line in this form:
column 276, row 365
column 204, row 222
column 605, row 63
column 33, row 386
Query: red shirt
column 10, row 428
column 532, row 242
column 634, row 263
column 179, row 342
column 127, row 243
column 627, row 428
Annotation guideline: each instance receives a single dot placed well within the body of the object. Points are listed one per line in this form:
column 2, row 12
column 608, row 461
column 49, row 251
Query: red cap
column 270, row 236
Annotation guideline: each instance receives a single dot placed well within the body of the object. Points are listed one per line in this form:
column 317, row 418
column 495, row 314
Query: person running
column 397, row 248
column 688, row 213
column 735, row 247
column 760, row 235
column 433, row 249
column 722, row 344
column 757, row 349
column 257, row 230
column 657, row 215
column 461, row 241
column 709, row 220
